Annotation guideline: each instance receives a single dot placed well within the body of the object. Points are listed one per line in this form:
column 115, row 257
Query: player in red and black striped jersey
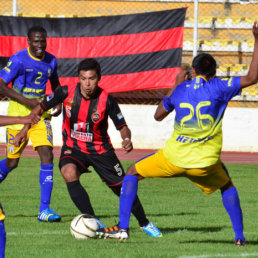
column 86, row 108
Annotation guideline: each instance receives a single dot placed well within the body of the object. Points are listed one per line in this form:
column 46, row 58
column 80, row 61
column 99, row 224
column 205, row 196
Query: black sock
column 80, row 197
column 139, row 213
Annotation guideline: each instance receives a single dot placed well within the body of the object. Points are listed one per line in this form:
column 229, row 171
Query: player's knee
column 12, row 163
column 132, row 171
column 46, row 154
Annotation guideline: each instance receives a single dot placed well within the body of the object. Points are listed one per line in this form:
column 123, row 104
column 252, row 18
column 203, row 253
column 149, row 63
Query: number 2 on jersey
column 37, row 79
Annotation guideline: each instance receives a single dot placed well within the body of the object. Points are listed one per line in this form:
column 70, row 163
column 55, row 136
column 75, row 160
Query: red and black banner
column 136, row 51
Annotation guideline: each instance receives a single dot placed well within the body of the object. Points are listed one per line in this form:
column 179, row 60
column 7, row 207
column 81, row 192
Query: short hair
column 204, row 64
column 89, row 64
column 36, row 29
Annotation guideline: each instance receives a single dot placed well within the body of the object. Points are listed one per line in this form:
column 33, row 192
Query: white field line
column 37, row 233
column 221, row 255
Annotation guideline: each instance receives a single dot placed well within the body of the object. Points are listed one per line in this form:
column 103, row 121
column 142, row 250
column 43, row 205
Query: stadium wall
column 239, row 125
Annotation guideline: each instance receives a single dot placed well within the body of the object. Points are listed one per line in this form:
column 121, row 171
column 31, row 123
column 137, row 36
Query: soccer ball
column 83, row 227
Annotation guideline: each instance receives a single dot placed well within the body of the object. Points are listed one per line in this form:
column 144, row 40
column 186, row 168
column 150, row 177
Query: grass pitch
column 193, row 225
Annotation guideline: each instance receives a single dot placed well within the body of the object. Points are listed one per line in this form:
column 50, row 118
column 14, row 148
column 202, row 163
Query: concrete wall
column 240, row 128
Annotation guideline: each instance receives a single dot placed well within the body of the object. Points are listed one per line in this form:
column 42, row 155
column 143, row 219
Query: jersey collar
column 37, row 59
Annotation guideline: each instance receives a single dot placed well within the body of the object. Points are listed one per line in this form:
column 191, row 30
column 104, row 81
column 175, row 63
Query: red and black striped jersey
column 85, row 121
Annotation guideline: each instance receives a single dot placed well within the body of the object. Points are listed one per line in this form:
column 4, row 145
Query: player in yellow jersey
column 193, row 151
column 5, row 120
column 29, row 70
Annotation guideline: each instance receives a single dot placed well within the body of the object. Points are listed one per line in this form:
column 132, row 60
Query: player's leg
column 215, row 177
column 2, row 233
column 231, row 203
column 13, row 154
column 41, row 138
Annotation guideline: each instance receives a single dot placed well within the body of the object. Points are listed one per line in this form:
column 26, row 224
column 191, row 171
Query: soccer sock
column 4, row 170
column 2, row 239
column 139, row 213
column 46, row 185
column 231, row 203
column 127, row 197
column 80, row 197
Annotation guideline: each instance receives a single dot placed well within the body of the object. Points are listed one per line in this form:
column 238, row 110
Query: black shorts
column 106, row 165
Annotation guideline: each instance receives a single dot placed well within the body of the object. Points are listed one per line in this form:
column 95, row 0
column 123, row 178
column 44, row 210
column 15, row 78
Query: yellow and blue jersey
column 2, row 215
column 196, row 141
column 29, row 76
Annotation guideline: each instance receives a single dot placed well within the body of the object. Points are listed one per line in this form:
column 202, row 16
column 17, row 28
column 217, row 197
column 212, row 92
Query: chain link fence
column 224, row 30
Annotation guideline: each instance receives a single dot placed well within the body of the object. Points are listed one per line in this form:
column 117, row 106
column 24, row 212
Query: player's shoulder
column 20, row 55
column 49, row 56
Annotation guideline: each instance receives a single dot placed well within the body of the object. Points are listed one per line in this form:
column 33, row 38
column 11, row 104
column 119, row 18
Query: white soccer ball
column 83, row 227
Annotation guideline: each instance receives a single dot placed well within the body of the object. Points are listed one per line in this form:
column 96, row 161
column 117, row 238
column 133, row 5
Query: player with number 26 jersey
column 197, row 136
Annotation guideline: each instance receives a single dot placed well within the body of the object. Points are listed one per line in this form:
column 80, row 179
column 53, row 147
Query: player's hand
column 57, row 110
column 182, row 76
column 31, row 119
column 20, row 138
column 255, row 30
column 127, row 145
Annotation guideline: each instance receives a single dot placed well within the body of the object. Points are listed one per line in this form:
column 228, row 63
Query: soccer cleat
column 113, row 232
column 100, row 223
column 48, row 215
column 240, row 242
column 151, row 230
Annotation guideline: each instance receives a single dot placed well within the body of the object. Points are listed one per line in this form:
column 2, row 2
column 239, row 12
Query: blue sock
column 127, row 196
column 2, row 239
column 46, row 185
column 4, row 170
column 231, row 203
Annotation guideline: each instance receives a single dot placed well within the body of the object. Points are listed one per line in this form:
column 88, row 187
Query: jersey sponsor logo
column 29, row 70
column 120, row 116
column 95, row 117
column 186, row 139
column 81, row 136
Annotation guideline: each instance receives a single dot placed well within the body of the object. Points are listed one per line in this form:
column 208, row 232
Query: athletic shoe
column 48, row 215
column 240, row 242
column 100, row 223
column 113, row 232
column 151, row 230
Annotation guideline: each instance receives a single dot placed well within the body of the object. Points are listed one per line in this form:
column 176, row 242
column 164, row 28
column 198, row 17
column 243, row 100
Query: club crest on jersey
column 95, row 117
column 67, row 152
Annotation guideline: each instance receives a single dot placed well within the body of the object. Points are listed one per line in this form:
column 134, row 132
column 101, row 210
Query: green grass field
column 193, row 225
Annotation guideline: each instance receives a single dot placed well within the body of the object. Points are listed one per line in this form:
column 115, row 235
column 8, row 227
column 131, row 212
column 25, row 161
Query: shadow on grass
column 191, row 229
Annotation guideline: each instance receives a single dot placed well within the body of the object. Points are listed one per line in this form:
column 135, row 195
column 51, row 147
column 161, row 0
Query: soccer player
column 5, row 120
column 193, row 151
column 86, row 141
column 29, row 70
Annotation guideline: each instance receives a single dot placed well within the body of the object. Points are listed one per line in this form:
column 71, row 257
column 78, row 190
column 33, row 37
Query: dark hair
column 204, row 64
column 89, row 64
column 36, row 29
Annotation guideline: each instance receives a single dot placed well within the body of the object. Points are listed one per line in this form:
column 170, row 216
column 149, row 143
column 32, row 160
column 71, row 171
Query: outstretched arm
column 126, row 136
column 252, row 76
column 10, row 93
column 10, row 120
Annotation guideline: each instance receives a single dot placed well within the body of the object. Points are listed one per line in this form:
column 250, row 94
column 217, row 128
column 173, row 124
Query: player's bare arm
column 161, row 112
column 10, row 93
column 22, row 135
column 58, row 108
column 252, row 76
column 127, row 144
column 10, row 120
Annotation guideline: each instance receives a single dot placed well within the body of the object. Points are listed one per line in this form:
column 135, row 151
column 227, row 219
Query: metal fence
column 224, row 30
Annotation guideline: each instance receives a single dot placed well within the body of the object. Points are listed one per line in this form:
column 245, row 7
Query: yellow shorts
column 2, row 215
column 209, row 179
column 39, row 134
